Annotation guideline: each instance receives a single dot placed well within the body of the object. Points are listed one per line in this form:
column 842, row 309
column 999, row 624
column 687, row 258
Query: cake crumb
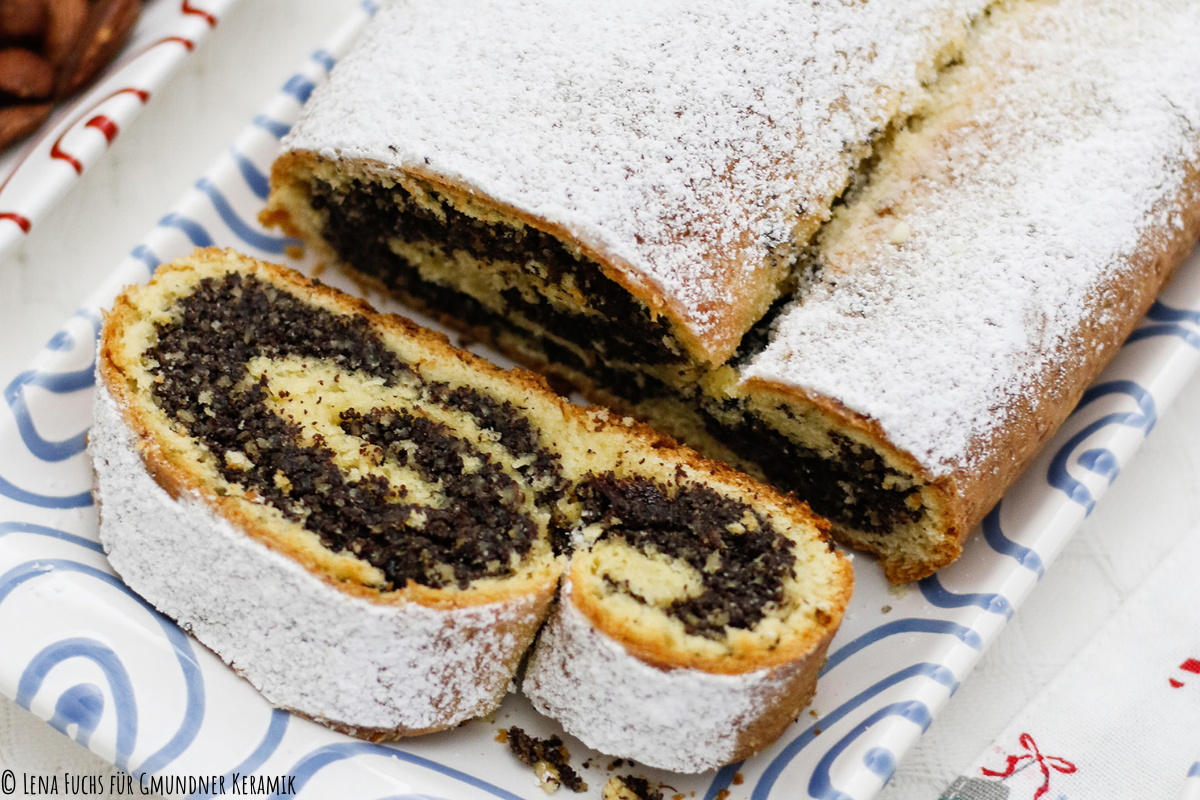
column 722, row 795
column 502, row 736
column 548, row 757
column 885, row 609
column 631, row 787
column 900, row 233
column 738, row 779
column 547, row 777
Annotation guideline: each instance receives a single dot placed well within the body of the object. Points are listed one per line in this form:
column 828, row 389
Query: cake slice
column 683, row 651
column 370, row 524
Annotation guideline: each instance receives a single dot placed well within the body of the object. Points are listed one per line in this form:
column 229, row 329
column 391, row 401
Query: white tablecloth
column 197, row 114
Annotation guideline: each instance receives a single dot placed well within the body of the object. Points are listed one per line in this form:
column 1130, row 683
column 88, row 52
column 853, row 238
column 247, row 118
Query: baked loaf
column 692, row 618
column 994, row 251
column 628, row 181
column 682, row 651
column 370, row 524
column 959, row 304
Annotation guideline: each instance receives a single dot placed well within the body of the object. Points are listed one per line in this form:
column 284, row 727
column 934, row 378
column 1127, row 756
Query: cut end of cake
column 326, row 462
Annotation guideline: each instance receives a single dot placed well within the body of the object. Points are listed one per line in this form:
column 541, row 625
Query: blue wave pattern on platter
column 820, row 784
column 1191, row 784
column 12, row 526
column 83, row 704
column 1172, row 323
column 38, row 500
column 31, row 678
column 265, row 749
column 267, row 243
column 61, row 383
column 1100, row 460
column 942, row 597
column 967, row 636
column 254, row 177
column 879, row 688
column 993, row 534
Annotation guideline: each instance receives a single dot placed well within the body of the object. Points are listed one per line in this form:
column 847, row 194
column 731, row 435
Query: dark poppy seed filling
column 201, row 360
column 742, row 560
column 855, row 489
column 541, row 468
column 475, row 533
column 361, row 216
column 515, row 431
column 463, row 515
column 532, row 750
column 852, row 489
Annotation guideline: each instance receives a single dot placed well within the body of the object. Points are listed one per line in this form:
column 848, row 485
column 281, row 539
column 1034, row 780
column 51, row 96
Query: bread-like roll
column 1003, row 241
column 995, row 253
column 682, row 635
column 1005, row 244
column 341, row 521
column 370, row 524
column 629, row 181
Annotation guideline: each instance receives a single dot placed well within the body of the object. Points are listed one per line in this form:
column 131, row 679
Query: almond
column 17, row 122
column 21, row 19
column 64, row 24
column 25, row 74
column 108, row 25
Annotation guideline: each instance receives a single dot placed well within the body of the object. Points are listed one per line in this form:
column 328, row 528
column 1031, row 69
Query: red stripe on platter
column 22, row 222
column 188, row 8
column 104, row 125
column 101, row 123
column 57, row 152
column 188, row 43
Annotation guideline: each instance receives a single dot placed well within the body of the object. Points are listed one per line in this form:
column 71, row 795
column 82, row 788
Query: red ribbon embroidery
column 1191, row 665
column 1046, row 763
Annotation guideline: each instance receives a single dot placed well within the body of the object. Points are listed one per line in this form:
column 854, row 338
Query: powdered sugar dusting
column 681, row 137
column 1073, row 129
column 679, row 719
column 302, row 643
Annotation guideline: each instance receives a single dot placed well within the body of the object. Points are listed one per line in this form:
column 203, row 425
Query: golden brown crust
column 967, row 495
column 549, row 372
column 737, row 303
column 648, row 647
column 179, row 477
column 783, row 710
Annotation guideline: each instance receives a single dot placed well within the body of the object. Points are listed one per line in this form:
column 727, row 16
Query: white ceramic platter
column 36, row 173
column 82, row 651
